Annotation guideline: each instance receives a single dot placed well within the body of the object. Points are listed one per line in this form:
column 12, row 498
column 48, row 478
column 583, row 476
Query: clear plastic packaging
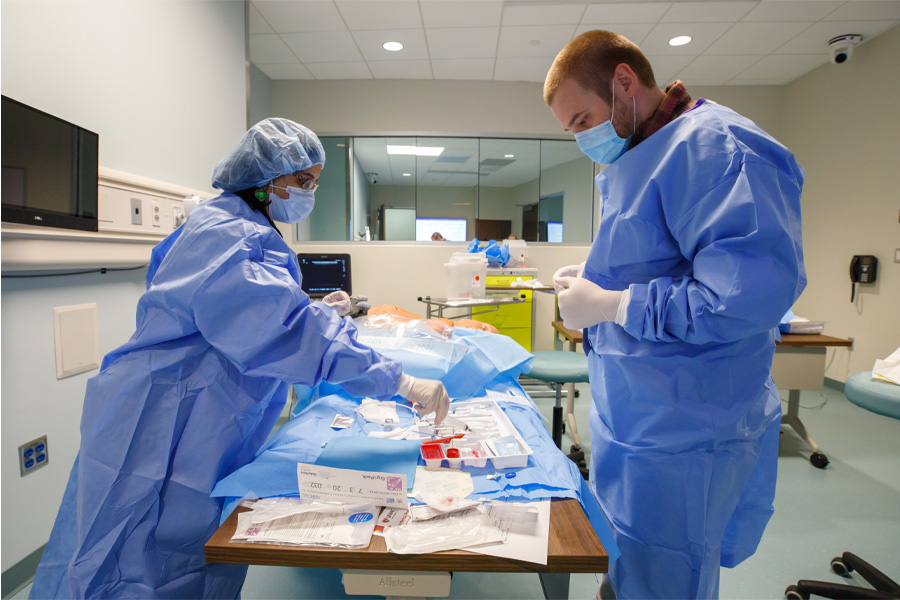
column 449, row 532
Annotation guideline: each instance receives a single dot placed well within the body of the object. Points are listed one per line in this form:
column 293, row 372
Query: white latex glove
column 569, row 271
column 339, row 301
column 429, row 394
column 583, row 303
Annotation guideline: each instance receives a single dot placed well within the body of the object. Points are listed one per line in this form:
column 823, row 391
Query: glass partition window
column 396, row 188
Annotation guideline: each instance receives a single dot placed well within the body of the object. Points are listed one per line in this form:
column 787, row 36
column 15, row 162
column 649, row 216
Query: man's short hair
column 591, row 58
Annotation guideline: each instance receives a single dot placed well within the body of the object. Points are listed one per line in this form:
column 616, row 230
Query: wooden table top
column 787, row 339
column 573, row 548
column 573, row 335
column 799, row 339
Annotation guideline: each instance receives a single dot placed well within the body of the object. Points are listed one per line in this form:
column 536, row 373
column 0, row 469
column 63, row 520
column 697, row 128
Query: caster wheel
column 838, row 566
column 792, row 593
column 818, row 460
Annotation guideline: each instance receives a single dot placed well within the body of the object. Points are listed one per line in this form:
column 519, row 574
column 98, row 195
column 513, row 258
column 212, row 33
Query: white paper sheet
column 888, row 369
column 523, row 538
column 326, row 484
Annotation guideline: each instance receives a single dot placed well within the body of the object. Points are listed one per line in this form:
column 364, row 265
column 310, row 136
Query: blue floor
column 853, row 505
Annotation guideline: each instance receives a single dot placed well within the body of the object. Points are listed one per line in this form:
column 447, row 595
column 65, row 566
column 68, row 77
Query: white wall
column 841, row 123
column 164, row 85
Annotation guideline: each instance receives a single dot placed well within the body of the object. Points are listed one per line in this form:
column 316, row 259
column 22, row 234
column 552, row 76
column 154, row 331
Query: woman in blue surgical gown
column 222, row 331
column 697, row 256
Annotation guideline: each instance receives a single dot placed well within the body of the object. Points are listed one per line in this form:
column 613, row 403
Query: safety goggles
column 305, row 182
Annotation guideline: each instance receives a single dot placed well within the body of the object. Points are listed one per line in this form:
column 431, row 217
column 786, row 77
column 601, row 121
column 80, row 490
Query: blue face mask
column 292, row 209
column 601, row 143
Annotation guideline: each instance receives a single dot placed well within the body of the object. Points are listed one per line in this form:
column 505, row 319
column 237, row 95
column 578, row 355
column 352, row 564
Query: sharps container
column 518, row 253
column 466, row 275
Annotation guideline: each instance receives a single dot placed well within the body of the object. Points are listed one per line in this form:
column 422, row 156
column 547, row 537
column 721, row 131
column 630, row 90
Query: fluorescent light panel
column 415, row 150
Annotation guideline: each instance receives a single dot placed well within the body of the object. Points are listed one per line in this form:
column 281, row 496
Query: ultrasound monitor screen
column 324, row 273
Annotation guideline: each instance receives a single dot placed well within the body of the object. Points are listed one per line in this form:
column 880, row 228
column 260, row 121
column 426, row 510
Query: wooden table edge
column 594, row 559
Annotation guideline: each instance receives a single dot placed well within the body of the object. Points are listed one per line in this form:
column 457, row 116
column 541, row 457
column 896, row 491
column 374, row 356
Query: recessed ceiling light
column 407, row 174
column 509, row 156
column 415, row 150
column 392, row 46
column 680, row 40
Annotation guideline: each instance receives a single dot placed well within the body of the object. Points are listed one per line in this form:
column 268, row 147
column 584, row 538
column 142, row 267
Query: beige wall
column 842, row 123
column 846, row 141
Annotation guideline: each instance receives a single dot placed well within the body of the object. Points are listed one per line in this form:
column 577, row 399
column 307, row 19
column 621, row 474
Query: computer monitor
column 452, row 230
column 324, row 273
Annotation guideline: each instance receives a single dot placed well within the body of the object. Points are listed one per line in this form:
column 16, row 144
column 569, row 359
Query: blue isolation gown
column 701, row 222
column 190, row 398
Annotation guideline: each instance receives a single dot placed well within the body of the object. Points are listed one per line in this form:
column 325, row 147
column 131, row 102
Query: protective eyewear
column 306, row 183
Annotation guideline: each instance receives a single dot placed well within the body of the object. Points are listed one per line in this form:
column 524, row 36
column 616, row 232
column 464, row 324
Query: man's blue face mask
column 601, row 143
column 292, row 209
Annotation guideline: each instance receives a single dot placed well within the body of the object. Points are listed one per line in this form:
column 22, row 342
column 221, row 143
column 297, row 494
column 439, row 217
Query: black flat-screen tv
column 49, row 169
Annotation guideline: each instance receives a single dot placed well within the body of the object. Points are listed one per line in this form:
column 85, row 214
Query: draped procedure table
column 573, row 547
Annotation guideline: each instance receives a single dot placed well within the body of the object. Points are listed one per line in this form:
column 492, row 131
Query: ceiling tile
column 340, row 70
column 633, row 12
column 451, row 13
column 522, row 69
column 400, row 69
column 707, row 12
column 867, row 10
column 541, row 14
column 714, row 70
column 792, row 10
column 290, row 71
column 300, row 15
column 323, row 46
column 380, row 14
column 778, row 70
column 459, row 42
column 413, row 41
column 756, row 38
column 520, row 41
column 269, row 48
column 257, row 23
column 704, row 34
column 465, row 68
column 814, row 40
column 636, row 32
column 665, row 67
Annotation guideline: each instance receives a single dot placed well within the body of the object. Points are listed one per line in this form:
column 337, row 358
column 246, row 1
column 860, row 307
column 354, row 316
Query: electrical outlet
column 897, row 255
column 177, row 216
column 155, row 213
column 33, row 455
column 137, row 212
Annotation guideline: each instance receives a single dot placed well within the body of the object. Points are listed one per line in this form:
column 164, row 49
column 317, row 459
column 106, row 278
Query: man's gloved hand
column 569, row 271
column 429, row 394
column 339, row 301
column 583, row 303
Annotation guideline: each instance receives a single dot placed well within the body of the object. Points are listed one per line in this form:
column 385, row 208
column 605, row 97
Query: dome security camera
column 372, row 177
column 841, row 47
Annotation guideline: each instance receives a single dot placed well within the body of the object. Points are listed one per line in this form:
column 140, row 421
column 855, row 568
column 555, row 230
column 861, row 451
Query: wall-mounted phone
column 863, row 269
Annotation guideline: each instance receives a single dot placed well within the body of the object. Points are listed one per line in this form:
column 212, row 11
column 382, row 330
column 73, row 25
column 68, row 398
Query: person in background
column 696, row 259
column 512, row 236
column 437, row 237
column 222, row 331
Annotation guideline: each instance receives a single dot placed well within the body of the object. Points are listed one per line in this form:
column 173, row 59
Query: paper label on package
column 327, row 484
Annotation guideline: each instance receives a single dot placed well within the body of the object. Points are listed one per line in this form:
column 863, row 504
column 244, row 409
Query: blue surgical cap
column 271, row 148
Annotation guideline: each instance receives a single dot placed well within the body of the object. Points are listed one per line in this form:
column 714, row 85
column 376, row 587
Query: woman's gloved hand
column 583, row 303
column 339, row 301
column 429, row 394
column 569, row 271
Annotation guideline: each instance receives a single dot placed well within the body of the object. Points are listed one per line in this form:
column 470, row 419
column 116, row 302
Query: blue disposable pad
column 373, row 454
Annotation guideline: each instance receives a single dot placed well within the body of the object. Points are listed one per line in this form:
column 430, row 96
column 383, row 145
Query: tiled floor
column 852, row 505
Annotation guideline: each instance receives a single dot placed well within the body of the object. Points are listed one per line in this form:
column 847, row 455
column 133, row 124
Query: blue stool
column 559, row 367
column 880, row 397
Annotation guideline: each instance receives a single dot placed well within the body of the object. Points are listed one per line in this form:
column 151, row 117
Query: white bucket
column 466, row 275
